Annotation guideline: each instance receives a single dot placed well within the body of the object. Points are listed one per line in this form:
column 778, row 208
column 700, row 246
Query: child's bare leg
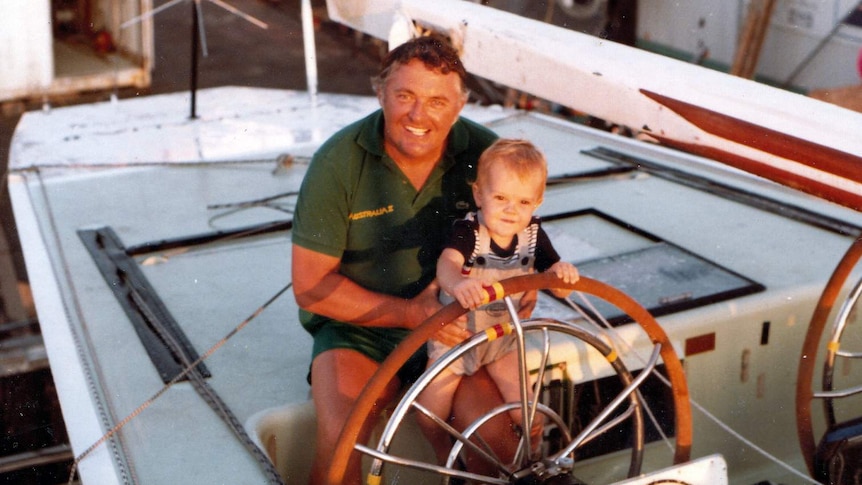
column 504, row 372
column 437, row 398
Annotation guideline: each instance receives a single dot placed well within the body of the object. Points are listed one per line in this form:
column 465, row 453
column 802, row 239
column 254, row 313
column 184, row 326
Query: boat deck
column 199, row 212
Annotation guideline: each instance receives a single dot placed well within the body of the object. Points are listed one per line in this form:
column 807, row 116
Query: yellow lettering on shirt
column 355, row 216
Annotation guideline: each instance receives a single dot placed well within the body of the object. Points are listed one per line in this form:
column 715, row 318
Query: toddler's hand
column 470, row 293
column 566, row 272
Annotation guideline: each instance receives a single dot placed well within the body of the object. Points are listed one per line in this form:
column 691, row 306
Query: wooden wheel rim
column 805, row 375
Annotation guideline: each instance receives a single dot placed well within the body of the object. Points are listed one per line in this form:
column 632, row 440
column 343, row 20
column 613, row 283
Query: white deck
column 142, row 168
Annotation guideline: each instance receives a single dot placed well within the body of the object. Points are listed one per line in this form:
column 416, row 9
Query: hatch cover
column 660, row 275
column 665, row 279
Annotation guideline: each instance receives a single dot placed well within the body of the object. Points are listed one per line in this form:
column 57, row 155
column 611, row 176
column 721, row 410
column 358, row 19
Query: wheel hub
column 548, row 472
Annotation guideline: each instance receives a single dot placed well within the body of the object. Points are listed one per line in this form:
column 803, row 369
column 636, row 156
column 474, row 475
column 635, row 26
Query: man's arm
column 321, row 289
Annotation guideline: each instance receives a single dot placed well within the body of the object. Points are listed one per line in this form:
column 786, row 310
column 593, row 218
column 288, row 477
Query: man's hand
column 428, row 303
column 452, row 334
column 528, row 304
column 423, row 305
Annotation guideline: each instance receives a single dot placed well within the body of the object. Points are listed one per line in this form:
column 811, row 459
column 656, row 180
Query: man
column 371, row 216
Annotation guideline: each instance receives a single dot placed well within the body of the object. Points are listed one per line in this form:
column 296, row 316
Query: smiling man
column 369, row 225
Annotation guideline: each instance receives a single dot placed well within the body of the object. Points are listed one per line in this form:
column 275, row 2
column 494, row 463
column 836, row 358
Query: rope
column 207, row 393
column 186, row 371
column 264, row 202
column 176, row 164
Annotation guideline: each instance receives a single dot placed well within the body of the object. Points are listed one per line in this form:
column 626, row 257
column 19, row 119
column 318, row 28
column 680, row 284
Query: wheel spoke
column 525, row 447
column 610, row 408
column 475, row 426
column 484, row 451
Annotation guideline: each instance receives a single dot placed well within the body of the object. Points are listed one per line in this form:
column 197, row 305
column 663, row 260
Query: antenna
column 198, row 39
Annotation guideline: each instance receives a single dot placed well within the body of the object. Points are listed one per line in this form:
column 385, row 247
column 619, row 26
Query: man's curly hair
column 435, row 51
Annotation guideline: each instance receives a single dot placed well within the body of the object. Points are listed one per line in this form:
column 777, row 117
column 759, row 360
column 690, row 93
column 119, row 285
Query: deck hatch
column 666, row 279
column 163, row 339
column 663, row 277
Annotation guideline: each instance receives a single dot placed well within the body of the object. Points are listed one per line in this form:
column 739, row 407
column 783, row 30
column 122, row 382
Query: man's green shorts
column 374, row 342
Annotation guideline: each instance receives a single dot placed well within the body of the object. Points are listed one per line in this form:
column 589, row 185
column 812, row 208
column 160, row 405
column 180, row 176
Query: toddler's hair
column 519, row 156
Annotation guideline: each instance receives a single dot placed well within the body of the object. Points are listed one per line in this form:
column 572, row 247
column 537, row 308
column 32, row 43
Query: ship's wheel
column 553, row 467
column 841, row 446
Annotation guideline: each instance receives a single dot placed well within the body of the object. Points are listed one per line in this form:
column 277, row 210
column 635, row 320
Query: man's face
column 419, row 107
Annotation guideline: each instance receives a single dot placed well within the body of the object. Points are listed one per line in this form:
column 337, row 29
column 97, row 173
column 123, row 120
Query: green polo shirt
column 357, row 205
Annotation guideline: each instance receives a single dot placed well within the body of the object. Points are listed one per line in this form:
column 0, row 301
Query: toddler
column 500, row 240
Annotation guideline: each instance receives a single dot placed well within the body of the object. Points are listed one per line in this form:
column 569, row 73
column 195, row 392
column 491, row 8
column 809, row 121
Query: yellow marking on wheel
column 373, row 479
column 493, row 292
column 498, row 330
